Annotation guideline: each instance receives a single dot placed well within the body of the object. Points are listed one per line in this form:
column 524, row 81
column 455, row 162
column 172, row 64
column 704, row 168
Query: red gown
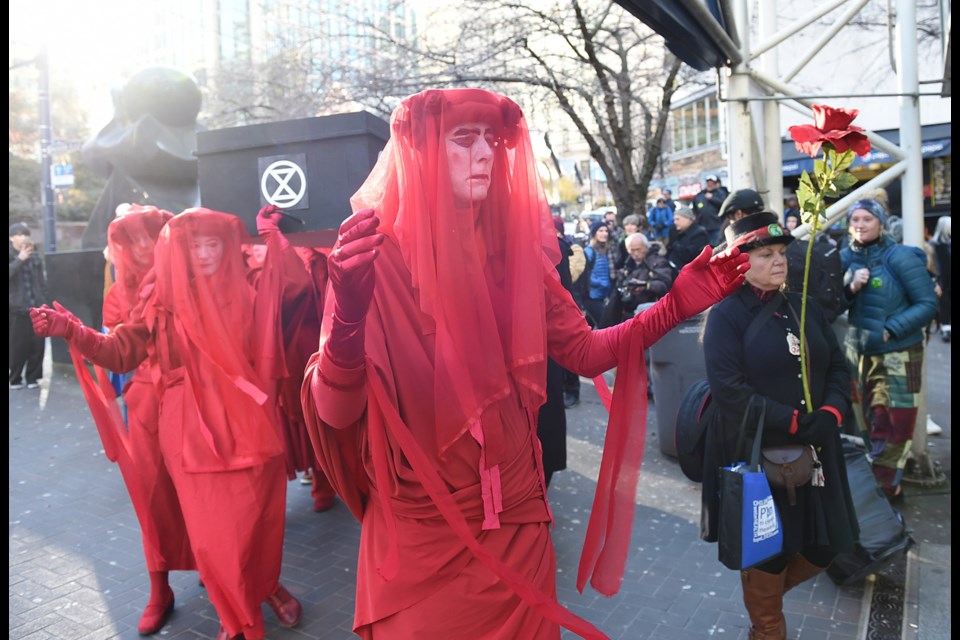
column 217, row 425
column 134, row 446
column 166, row 545
column 437, row 585
column 431, row 438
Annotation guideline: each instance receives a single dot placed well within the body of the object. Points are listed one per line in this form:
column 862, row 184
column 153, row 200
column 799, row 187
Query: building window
column 695, row 125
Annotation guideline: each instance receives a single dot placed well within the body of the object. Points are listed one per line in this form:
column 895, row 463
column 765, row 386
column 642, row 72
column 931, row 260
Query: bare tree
column 604, row 70
column 608, row 74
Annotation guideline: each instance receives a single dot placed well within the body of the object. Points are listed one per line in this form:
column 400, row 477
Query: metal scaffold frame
column 755, row 89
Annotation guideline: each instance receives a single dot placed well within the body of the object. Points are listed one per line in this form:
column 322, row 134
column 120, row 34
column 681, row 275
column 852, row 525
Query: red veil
column 210, row 319
column 131, row 239
column 478, row 273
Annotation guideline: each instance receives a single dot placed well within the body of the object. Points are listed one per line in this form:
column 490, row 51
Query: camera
column 631, row 289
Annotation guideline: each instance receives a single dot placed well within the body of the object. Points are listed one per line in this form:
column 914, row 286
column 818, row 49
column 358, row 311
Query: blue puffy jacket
column 601, row 283
column 899, row 296
column 661, row 221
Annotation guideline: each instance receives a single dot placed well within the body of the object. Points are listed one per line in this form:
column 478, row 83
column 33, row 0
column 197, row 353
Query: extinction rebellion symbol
column 283, row 182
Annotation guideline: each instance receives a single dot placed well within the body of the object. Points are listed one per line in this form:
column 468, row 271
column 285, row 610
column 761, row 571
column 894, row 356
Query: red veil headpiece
column 478, row 273
column 131, row 239
column 212, row 317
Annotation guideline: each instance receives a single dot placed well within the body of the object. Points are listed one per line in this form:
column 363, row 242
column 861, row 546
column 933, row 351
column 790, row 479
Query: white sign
column 61, row 176
column 283, row 184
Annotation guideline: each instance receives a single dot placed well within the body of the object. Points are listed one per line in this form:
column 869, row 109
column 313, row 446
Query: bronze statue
column 147, row 151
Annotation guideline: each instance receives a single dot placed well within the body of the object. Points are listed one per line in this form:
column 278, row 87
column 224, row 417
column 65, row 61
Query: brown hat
column 755, row 230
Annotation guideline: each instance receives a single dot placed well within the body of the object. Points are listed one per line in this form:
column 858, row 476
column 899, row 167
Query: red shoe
column 322, row 504
column 223, row 635
column 286, row 607
column 155, row 615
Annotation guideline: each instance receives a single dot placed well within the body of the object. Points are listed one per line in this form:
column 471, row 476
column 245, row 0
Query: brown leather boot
column 799, row 570
column 763, row 598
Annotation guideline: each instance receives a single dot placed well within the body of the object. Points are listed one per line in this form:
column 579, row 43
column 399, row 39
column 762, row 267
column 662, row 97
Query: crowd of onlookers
column 644, row 251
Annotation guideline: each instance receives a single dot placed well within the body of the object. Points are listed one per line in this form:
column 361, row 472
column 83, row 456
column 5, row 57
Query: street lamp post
column 49, row 211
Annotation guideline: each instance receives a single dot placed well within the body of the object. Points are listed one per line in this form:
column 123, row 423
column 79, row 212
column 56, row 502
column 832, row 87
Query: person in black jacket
column 28, row 288
column 552, row 419
column 689, row 240
column 707, row 204
column 645, row 277
column 820, row 522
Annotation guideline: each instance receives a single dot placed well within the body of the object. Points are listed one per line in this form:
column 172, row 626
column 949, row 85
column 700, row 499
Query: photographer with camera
column 28, row 288
column 645, row 277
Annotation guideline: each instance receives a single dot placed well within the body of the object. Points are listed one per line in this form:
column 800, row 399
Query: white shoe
column 933, row 429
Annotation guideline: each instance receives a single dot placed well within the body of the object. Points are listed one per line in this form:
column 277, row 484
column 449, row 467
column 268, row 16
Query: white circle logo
column 275, row 184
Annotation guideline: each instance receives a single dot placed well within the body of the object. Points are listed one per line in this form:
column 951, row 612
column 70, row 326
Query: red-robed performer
column 135, row 446
column 422, row 399
column 298, row 275
column 218, row 430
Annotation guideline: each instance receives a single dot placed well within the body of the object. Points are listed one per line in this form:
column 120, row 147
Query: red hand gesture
column 56, row 322
column 350, row 265
column 708, row 280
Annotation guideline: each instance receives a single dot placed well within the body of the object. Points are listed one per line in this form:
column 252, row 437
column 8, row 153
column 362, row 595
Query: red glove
column 699, row 285
column 708, row 280
column 55, row 323
column 61, row 323
column 268, row 224
column 352, row 276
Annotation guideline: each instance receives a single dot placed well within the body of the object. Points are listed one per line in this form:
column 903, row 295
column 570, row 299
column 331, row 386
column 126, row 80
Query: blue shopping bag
column 749, row 528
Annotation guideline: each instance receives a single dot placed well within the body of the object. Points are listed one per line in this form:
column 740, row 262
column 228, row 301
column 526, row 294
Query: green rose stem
column 831, row 178
column 831, row 132
column 803, row 307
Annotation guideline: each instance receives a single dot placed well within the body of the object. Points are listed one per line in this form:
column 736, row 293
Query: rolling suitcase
column 883, row 532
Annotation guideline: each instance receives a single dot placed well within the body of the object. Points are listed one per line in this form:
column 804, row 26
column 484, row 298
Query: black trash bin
column 676, row 362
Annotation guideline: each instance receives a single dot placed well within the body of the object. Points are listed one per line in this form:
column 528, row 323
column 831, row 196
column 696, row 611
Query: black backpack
column 697, row 409
column 695, row 413
column 826, row 274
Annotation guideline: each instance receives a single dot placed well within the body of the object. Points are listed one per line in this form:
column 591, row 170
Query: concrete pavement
column 76, row 567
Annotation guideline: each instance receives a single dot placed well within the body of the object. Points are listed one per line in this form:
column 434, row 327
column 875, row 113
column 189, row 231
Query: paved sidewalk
column 76, row 567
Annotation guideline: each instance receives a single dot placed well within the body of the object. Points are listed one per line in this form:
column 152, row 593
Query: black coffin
column 308, row 167
column 75, row 280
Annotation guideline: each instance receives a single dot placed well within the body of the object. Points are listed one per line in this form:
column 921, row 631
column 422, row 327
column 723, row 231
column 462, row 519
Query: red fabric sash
column 607, row 541
column 105, row 411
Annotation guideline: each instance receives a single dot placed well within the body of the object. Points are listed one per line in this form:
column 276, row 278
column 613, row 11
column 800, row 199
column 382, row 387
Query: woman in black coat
column 822, row 522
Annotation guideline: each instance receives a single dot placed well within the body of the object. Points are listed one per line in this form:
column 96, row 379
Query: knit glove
column 817, row 428
column 352, row 276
